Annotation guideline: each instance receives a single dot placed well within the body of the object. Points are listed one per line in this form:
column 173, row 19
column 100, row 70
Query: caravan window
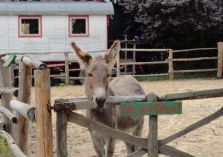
column 30, row 26
column 78, row 26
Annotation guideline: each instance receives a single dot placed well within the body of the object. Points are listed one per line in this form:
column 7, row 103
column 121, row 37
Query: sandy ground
column 204, row 142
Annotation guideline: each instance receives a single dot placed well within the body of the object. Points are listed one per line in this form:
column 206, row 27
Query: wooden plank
column 134, row 58
column 196, row 49
column 66, row 68
column 5, row 98
column 170, row 64
column 145, row 63
column 118, row 64
column 220, row 60
column 27, row 61
column 173, row 152
column 146, row 50
column 23, row 109
column 75, row 69
column 137, row 153
column 61, row 134
column 83, row 102
column 195, row 70
column 14, row 148
column 153, row 129
column 10, row 91
column 77, row 78
column 194, row 59
column 106, row 130
column 194, row 126
column 8, row 114
column 151, row 75
column 44, row 117
column 193, row 95
column 153, row 136
column 126, row 56
column 55, row 65
column 25, row 85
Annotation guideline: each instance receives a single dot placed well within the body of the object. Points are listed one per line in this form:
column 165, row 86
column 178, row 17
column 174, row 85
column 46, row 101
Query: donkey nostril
column 100, row 102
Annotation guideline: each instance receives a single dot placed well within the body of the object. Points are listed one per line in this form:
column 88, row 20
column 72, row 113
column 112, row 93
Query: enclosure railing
column 122, row 64
column 18, row 111
column 152, row 145
column 171, row 60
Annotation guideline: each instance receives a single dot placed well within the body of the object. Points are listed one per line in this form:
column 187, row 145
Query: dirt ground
column 204, row 142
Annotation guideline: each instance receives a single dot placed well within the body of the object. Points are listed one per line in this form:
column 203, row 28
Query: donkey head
column 98, row 71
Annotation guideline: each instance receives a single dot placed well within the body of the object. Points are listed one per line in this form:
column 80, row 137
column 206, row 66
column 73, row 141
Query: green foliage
column 175, row 23
column 4, row 150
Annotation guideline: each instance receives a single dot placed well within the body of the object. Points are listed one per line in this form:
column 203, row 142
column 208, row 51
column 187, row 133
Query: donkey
column 97, row 87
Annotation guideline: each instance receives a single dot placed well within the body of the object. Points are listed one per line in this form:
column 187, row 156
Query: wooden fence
column 171, row 59
column 151, row 145
column 17, row 110
column 123, row 63
column 64, row 109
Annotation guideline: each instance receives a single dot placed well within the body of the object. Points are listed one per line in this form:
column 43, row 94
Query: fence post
column 118, row 64
column 66, row 68
column 220, row 59
column 126, row 54
column 134, row 58
column 61, row 134
column 170, row 63
column 153, row 130
column 5, row 98
column 25, row 85
column 44, row 118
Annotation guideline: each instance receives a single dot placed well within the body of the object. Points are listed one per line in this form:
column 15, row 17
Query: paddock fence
column 129, row 61
column 16, row 108
column 151, row 145
column 169, row 61
column 19, row 111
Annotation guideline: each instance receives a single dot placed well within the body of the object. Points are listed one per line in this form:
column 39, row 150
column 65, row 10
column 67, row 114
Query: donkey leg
column 137, row 132
column 109, row 147
column 130, row 148
column 98, row 145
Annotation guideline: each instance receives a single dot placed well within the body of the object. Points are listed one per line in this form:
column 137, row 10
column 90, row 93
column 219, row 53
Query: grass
column 178, row 76
column 4, row 150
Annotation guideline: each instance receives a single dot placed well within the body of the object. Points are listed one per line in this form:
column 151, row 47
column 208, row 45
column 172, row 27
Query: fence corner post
column 170, row 63
column 220, row 60
column 5, row 98
column 153, row 147
column 61, row 134
column 66, row 68
column 25, row 85
column 43, row 119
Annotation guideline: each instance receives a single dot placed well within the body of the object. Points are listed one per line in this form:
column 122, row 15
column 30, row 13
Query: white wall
column 55, row 36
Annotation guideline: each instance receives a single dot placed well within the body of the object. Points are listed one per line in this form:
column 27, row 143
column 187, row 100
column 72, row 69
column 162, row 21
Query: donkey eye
column 108, row 75
column 89, row 74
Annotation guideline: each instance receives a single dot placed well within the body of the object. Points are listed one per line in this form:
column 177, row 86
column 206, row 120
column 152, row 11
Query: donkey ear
column 84, row 57
column 112, row 54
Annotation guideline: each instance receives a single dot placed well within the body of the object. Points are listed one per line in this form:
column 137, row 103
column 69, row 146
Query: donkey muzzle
column 100, row 102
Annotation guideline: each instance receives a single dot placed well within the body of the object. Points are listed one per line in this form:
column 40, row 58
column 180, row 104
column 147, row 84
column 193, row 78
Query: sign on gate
column 151, row 108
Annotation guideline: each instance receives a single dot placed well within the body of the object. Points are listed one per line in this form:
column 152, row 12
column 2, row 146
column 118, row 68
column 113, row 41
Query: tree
column 175, row 23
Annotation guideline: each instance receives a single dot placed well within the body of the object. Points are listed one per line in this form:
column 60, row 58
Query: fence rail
column 64, row 107
column 123, row 64
column 16, row 122
column 150, row 145
column 171, row 60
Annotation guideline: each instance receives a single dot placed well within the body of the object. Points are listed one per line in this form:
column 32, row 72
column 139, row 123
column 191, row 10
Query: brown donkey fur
column 97, row 87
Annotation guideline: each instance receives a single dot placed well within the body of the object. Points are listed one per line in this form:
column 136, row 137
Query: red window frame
column 20, row 17
column 78, row 17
